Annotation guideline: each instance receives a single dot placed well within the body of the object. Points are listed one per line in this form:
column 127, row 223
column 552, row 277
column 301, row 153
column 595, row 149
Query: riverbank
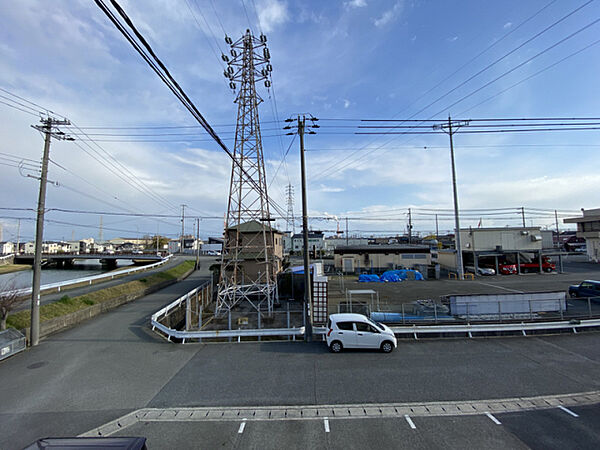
column 70, row 310
column 9, row 268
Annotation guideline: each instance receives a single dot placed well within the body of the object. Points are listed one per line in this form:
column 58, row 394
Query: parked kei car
column 481, row 270
column 587, row 288
column 358, row 331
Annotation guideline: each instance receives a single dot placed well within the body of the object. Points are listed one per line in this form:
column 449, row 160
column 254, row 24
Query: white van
column 358, row 331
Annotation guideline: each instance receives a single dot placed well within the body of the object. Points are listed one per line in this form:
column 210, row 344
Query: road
column 80, row 379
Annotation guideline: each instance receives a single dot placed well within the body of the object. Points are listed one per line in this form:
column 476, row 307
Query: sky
column 339, row 61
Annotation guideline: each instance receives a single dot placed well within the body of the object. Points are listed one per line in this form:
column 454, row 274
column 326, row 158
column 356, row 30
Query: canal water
column 80, row 269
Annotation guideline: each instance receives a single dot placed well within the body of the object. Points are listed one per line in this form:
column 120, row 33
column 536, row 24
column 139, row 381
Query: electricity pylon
column 289, row 218
column 249, row 263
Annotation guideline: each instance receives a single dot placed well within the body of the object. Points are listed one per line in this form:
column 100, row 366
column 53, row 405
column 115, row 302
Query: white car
column 481, row 270
column 358, row 331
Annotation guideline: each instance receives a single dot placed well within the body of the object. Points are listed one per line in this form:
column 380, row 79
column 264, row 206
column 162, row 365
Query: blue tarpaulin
column 367, row 278
column 400, row 275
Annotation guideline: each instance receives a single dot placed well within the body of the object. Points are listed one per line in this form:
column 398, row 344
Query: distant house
column 316, row 242
column 7, row 248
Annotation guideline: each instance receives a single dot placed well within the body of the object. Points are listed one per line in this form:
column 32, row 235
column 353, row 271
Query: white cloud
column 390, row 15
column 507, row 25
column 355, row 4
column 272, row 13
column 346, row 103
column 452, row 39
column 324, row 188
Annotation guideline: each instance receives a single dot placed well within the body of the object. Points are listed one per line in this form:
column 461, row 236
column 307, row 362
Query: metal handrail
column 90, row 279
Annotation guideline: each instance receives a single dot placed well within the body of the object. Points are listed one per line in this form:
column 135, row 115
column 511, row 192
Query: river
column 80, row 269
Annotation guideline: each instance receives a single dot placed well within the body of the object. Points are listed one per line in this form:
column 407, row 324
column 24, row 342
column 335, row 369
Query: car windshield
column 375, row 324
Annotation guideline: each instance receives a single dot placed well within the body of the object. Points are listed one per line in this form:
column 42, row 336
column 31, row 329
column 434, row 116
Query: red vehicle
column 507, row 269
column 547, row 265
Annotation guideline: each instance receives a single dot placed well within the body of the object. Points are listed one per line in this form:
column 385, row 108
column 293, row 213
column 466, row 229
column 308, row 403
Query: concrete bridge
column 106, row 259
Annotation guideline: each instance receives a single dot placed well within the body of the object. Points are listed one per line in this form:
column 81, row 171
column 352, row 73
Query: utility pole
column 409, row 227
column 436, row 227
column 18, row 236
column 100, row 233
column 560, row 263
column 346, row 231
column 447, row 128
column 307, row 286
column 197, row 243
column 182, row 228
column 301, row 123
column 523, row 216
column 50, row 131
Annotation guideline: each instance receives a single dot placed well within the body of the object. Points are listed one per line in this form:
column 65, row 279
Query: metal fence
column 245, row 323
column 499, row 311
column 11, row 342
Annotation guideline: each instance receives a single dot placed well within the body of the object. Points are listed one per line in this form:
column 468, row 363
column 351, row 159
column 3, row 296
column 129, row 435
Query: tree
column 9, row 300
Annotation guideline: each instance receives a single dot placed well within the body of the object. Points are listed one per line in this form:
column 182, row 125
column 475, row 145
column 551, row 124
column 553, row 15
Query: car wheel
column 336, row 347
column 573, row 294
column 387, row 347
column 548, row 269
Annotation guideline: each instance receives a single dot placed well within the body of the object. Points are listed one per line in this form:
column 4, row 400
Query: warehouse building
column 379, row 258
column 588, row 227
column 493, row 247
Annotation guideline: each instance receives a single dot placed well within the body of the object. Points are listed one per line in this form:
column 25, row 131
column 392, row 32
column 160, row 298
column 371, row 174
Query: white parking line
column 568, row 411
column 326, row 423
column 410, row 422
column 242, row 426
column 493, row 419
column 499, row 287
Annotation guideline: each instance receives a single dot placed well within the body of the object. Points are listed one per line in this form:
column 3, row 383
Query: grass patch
column 8, row 268
column 66, row 304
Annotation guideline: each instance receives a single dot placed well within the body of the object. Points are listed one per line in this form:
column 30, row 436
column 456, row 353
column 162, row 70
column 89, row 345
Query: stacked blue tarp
column 368, row 278
column 393, row 276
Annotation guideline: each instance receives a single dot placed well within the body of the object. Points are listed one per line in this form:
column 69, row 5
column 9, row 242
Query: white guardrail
column 91, row 279
column 413, row 330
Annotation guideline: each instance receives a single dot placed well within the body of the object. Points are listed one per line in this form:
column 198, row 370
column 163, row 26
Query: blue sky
column 335, row 60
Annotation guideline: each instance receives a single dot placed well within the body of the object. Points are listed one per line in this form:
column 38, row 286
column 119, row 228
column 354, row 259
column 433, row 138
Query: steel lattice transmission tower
column 289, row 218
column 249, row 263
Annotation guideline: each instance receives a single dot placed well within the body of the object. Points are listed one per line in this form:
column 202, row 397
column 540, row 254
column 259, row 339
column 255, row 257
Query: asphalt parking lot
column 555, row 428
column 391, row 294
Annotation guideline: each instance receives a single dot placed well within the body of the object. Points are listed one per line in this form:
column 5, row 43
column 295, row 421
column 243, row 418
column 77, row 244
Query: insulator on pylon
column 226, row 74
column 225, row 57
column 266, row 53
column 233, row 53
column 269, row 67
column 228, row 40
column 230, row 69
column 264, row 72
column 267, row 83
column 263, row 38
column 232, row 85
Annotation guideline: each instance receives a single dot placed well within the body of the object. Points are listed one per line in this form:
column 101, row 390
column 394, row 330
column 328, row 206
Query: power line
column 163, row 73
column 351, row 162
